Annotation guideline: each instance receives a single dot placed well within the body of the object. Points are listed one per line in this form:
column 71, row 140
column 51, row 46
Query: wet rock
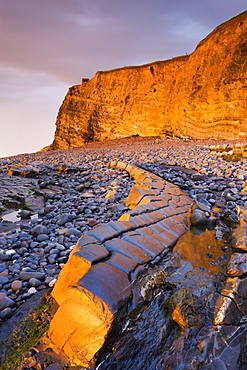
column 226, row 312
column 230, row 218
column 211, row 222
column 237, row 265
column 186, row 309
column 198, row 218
column 236, row 289
column 216, row 365
column 153, row 281
column 25, row 214
column 201, row 204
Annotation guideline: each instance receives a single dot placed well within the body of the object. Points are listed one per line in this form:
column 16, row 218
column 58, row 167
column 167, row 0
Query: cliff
column 201, row 95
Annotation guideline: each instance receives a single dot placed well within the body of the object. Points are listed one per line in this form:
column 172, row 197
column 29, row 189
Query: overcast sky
column 48, row 45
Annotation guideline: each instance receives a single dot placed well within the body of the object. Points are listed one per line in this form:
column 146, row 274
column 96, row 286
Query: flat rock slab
column 108, row 283
column 151, row 234
column 103, row 233
column 152, row 247
column 128, row 249
column 13, row 190
column 92, row 252
column 236, row 289
column 121, row 262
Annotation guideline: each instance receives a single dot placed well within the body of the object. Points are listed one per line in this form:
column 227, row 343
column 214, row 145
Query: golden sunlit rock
column 200, row 96
column 85, row 311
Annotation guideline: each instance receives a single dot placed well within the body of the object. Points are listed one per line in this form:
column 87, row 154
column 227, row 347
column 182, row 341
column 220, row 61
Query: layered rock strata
column 98, row 280
column 200, row 96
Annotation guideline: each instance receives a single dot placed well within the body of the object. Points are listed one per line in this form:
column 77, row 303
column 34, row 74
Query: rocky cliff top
column 198, row 96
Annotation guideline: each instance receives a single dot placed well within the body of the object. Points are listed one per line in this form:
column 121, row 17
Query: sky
column 46, row 46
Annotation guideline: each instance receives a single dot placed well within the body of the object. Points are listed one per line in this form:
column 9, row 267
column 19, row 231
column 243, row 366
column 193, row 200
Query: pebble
column 27, row 275
column 3, row 280
column 16, row 285
column 64, row 219
column 198, row 218
column 34, row 282
column 6, row 302
column 80, row 192
column 6, row 313
column 39, row 230
column 25, row 214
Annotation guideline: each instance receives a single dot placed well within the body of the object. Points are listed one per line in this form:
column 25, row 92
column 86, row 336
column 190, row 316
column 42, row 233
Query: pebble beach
column 54, row 197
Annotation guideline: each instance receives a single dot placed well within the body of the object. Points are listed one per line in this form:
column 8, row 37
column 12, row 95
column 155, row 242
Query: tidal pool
column 12, row 216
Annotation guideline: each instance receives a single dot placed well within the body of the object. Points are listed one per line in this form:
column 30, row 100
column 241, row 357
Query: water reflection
column 12, row 216
column 200, row 250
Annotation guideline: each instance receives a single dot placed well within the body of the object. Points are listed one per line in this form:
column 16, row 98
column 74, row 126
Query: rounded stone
column 3, row 242
column 66, row 217
column 24, row 244
column 34, row 282
column 39, row 229
column 62, row 231
column 6, row 313
column 32, row 290
column 92, row 223
column 198, row 218
column 42, row 237
column 49, row 196
column 73, row 231
column 25, row 214
column 6, row 302
column 4, row 273
column 3, row 279
column 52, row 258
column 25, row 236
column 48, row 209
column 16, row 285
column 27, row 275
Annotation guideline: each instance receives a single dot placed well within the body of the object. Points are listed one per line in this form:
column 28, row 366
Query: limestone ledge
column 97, row 282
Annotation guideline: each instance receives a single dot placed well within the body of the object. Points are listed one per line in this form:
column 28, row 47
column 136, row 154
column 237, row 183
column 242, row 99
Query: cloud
column 28, row 107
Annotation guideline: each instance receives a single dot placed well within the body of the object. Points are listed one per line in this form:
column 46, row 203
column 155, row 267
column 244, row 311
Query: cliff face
column 201, row 95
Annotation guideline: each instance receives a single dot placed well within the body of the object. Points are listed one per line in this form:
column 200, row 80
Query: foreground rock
column 92, row 292
column 79, row 189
